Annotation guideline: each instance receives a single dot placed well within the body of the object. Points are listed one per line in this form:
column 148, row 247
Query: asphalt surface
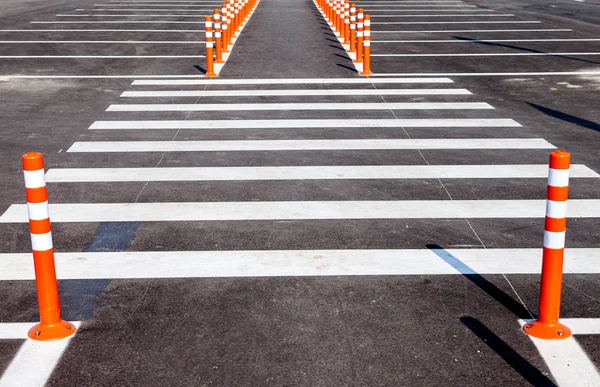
column 401, row 330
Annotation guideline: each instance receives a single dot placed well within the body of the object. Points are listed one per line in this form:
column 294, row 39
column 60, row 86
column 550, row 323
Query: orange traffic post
column 231, row 27
column 224, row 28
column 218, row 42
column 346, row 23
column 367, row 47
column 547, row 326
column 338, row 18
column 210, row 61
column 359, row 37
column 51, row 326
column 352, row 28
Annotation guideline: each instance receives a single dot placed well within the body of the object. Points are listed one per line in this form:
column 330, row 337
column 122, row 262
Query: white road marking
column 8, row 77
column 143, row 10
column 284, row 93
column 467, row 22
column 301, row 210
column 275, row 263
column 308, row 123
column 79, row 175
column 368, row 6
column 98, row 56
column 102, row 41
column 131, row 15
column 35, row 361
column 538, row 73
column 106, row 30
column 303, row 145
column 482, row 40
column 494, row 54
column 567, row 361
column 461, row 15
column 447, row 31
column 291, row 81
column 156, row 5
column 116, row 22
column 583, row 326
column 298, row 106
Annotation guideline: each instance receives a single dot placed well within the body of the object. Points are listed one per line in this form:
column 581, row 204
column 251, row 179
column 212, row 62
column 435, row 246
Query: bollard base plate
column 545, row 331
column 365, row 74
column 58, row 331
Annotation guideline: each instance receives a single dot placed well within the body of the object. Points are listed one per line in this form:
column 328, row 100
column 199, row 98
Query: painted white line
column 9, row 77
column 116, row 22
column 291, row 81
column 302, row 145
column 277, row 263
column 14, row 331
column 143, row 10
column 283, row 93
column 467, row 22
column 472, row 11
column 309, row 123
column 538, row 73
column 102, row 41
column 495, row 54
column 368, row 6
column 298, row 106
column 456, row 15
column 98, row 56
column 567, row 361
column 583, row 326
column 446, row 31
column 35, row 362
column 73, row 175
column 156, row 5
column 105, row 30
column 482, row 40
column 299, row 210
column 132, row 15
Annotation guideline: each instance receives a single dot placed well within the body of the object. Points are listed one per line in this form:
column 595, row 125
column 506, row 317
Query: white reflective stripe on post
column 209, row 44
column 367, row 22
column 361, row 15
column 367, row 33
column 218, row 26
column 556, row 210
column 353, row 18
column 366, row 43
column 554, row 240
column 208, row 24
column 558, row 177
column 208, row 35
column 41, row 242
column 217, row 34
column 34, row 179
column 359, row 34
column 217, row 17
column 38, row 211
column 361, row 25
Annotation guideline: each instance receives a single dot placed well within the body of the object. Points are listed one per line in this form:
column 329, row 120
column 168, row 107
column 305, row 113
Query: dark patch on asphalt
column 79, row 296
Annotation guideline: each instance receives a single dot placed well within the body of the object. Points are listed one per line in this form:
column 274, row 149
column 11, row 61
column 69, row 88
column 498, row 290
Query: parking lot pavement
column 290, row 223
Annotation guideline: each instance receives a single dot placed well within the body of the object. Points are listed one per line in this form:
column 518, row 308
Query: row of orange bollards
column 352, row 28
column 228, row 24
column 52, row 327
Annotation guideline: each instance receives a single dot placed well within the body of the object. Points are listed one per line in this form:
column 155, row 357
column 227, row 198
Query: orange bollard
column 359, row 37
column 218, row 42
column 346, row 23
column 224, row 28
column 547, row 326
column 210, row 64
column 352, row 28
column 367, row 47
column 51, row 326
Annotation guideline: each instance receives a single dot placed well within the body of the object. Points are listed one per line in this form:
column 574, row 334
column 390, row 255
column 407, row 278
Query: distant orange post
column 210, row 61
column 51, row 326
column 367, row 48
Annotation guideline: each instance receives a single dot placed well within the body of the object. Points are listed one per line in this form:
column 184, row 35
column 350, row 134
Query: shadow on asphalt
column 567, row 117
column 509, row 355
column 484, row 42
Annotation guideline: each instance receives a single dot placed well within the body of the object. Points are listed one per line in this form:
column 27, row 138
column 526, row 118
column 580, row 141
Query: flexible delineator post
column 359, row 37
column 367, row 48
column 346, row 23
column 218, row 40
column 51, row 326
column 224, row 28
column 547, row 325
column 352, row 28
column 210, row 62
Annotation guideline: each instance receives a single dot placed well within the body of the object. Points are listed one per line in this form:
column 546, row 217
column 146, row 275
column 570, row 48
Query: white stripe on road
column 300, row 210
column 538, row 73
column 105, row 30
column 35, row 361
column 156, row 5
column 117, row 22
column 8, row 77
column 79, row 175
column 283, row 93
column 141, row 10
column 309, row 123
column 294, row 263
column 366, row 7
column 102, row 41
column 447, row 31
column 297, row 106
column 98, row 56
column 582, row 326
column 462, row 15
column 482, row 40
column 494, row 54
column 435, row 10
column 308, row 145
column 291, row 81
column 466, row 22
column 132, row 15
